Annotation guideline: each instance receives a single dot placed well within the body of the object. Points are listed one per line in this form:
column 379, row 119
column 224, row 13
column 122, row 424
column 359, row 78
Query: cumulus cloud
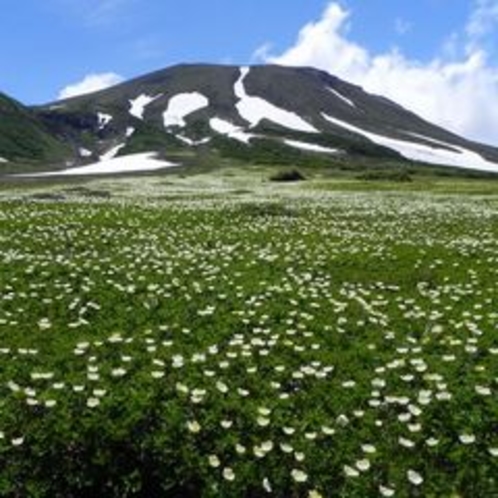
column 90, row 83
column 456, row 93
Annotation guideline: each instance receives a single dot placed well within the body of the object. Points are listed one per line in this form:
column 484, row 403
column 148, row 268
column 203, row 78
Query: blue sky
column 50, row 44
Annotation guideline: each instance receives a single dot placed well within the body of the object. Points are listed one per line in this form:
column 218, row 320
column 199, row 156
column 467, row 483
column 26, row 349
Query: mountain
column 24, row 137
column 262, row 114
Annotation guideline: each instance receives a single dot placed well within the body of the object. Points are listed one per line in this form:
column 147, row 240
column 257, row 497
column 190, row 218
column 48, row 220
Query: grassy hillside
column 22, row 136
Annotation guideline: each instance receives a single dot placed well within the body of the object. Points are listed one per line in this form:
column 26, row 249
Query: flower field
column 303, row 345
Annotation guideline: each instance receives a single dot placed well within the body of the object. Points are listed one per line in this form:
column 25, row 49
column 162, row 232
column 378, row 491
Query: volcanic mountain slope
column 250, row 113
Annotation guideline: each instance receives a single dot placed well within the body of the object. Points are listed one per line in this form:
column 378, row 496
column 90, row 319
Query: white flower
column 467, row 438
column 385, row 491
column 342, row 420
column 263, row 421
column 363, row 465
column 17, row 441
column 182, row 388
column 444, row 396
column 328, row 431
column 493, row 452
column 267, row 446
column 266, row 485
column 314, row 494
column 222, row 387
column 407, row 443
column 193, row 426
column 286, row 448
column 415, row 410
column 259, row 452
column 240, row 449
column 178, row 361
column 92, row 402
column 157, row 374
column 214, row 461
column 404, row 417
column 483, row 390
column 414, row 427
column 432, row 442
column 264, row 411
column 118, row 372
column 299, row 475
column 228, row 474
column 49, row 403
column 414, row 477
column 226, row 424
column 350, row 471
column 368, row 448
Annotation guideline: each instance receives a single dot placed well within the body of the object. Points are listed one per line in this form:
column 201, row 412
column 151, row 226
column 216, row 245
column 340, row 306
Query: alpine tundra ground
column 164, row 337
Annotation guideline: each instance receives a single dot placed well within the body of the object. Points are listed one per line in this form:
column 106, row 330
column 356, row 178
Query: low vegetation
column 23, row 136
column 289, row 175
column 291, row 342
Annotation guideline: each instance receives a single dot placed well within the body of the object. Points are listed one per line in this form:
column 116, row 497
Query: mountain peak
column 238, row 110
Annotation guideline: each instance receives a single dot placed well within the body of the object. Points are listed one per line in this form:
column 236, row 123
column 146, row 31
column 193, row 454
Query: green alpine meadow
column 222, row 335
column 249, row 249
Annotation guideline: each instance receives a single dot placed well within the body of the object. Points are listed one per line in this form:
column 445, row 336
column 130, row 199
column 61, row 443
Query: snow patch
column 255, row 109
column 432, row 140
column 191, row 142
column 111, row 153
column 230, row 130
column 145, row 161
column 458, row 156
column 344, row 99
column 138, row 105
column 84, row 152
column 311, row 147
column 104, row 119
column 3, row 160
column 130, row 131
column 181, row 105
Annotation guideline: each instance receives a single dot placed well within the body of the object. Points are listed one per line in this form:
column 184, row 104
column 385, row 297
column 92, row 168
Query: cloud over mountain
column 90, row 83
column 453, row 91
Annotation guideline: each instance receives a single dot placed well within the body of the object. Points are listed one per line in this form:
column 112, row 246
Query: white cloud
column 90, row 83
column 458, row 94
column 262, row 52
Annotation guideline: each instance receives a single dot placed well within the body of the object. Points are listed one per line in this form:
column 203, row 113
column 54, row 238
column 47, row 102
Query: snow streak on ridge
column 340, row 96
column 255, row 109
column 458, row 157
